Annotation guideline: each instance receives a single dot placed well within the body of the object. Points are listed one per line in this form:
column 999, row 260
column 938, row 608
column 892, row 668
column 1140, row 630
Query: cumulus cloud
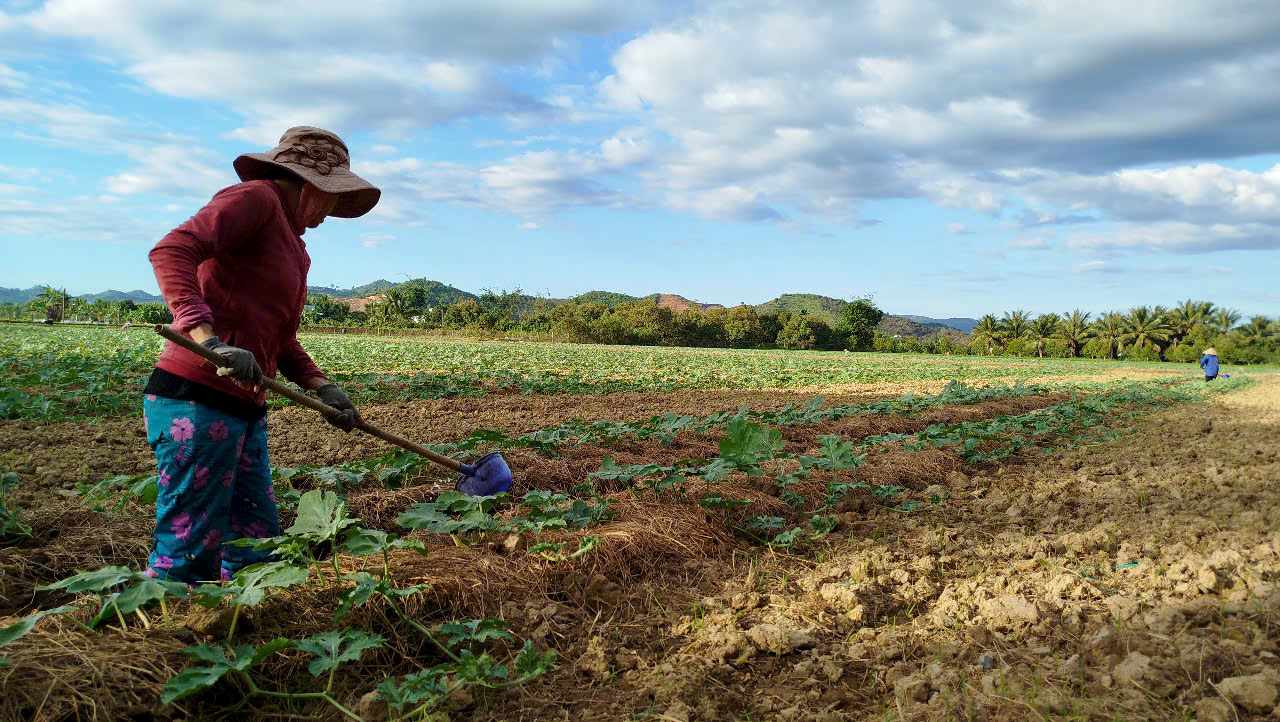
column 171, row 170
column 1200, row 193
column 1180, row 237
column 962, row 104
column 11, row 79
column 375, row 240
column 958, row 229
column 387, row 66
column 63, row 124
column 1084, row 116
column 80, row 219
column 532, row 184
column 1030, row 244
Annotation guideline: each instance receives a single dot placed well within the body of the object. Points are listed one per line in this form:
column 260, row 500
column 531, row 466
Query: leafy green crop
column 23, row 627
column 78, row 372
column 11, row 524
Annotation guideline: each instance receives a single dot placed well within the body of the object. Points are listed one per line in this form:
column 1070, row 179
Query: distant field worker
column 235, row 277
column 1209, row 362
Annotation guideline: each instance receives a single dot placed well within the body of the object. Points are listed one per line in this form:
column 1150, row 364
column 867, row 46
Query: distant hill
column 23, row 295
column 367, row 289
column 19, row 295
column 438, row 294
column 608, row 298
column 611, row 299
column 678, row 303
column 823, row 308
column 963, row 325
column 829, row 309
column 903, row 326
column 135, row 296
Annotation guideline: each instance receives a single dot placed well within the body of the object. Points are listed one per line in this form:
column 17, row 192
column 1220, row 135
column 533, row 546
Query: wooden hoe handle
column 312, row 403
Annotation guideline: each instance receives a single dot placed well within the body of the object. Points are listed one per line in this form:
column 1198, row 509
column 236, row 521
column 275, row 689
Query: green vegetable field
column 680, row 518
column 83, row 372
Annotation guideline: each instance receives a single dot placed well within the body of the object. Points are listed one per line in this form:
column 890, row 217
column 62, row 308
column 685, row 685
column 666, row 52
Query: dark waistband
column 173, row 386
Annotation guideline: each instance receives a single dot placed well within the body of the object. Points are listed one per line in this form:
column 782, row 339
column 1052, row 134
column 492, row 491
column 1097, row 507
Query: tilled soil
column 64, row 454
column 1132, row 579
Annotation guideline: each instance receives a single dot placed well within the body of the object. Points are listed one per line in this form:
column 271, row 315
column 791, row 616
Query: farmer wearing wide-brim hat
column 1209, row 362
column 235, row 277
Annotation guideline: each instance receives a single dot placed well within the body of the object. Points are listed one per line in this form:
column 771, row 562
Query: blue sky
column 948, row 159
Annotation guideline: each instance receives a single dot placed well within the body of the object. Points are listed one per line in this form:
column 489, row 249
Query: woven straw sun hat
column 1211, row 351
column 318, row 157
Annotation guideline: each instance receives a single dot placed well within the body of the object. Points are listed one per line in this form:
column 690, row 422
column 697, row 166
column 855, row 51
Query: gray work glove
column 241, row 364
column 334, row 396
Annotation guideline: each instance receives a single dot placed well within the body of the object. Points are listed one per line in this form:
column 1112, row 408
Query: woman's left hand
column 335, row 397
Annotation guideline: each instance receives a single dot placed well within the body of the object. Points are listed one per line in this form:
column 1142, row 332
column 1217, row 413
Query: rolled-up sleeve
column 231, row 218
column 296, row 364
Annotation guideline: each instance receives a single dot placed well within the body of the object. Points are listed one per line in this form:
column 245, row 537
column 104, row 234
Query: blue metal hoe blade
column 488, row 476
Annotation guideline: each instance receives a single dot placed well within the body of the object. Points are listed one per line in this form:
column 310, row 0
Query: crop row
column 481, row 653
column 56, row 373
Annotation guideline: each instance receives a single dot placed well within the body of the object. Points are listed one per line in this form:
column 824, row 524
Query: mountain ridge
column 825, row 308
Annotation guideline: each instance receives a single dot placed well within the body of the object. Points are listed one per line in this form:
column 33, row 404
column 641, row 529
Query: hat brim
column 356, row 196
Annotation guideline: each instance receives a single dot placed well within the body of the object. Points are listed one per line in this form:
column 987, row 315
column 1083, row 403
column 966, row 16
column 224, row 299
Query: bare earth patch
column 1134, row 579
column 1130, row 579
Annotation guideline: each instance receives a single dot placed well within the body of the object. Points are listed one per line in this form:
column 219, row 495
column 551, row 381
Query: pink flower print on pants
column 201, row 477
column 161, row 562
column 182, row 429
column 212, row 539
column 182, row 526
column 164, row 479
column 218, row 431
column 228, row 479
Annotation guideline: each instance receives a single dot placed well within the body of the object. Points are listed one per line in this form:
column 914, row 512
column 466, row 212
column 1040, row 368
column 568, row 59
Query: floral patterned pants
column 215, row 487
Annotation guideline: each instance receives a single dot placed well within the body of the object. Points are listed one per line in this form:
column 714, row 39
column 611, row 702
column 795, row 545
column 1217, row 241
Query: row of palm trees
column 1143, row 327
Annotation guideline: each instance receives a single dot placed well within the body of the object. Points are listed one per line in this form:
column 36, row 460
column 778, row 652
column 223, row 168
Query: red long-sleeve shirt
column 238, row 265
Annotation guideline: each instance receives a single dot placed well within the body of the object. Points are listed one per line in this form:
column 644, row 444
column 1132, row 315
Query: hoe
column 489, row 475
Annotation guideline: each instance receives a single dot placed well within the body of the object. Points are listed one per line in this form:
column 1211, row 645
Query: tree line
column 1147, row 333
column 1153, row 333
column 639, row 322
column 55, row 305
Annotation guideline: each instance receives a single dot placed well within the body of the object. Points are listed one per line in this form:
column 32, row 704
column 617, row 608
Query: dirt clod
column 1255, row 692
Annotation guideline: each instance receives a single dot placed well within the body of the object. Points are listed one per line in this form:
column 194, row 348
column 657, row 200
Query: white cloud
column 746, row 111
column 968, row 105
column 1201, row 193
column 1179, row 237
column 958, row 229
column 627, row 147
column 171, row 170
column 63, row 124
column 1030, row 244
column 1094, row 267
column 11, row 79
column 727, row 203
column 82, row 219
column 529, row 226
column 375, row 240
column 388, row 66
column 530, row 185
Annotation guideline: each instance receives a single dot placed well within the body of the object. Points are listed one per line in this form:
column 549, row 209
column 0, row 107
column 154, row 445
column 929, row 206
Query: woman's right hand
column 240, row 364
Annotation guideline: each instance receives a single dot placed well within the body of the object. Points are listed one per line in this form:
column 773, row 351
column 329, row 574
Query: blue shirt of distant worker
column 1209, row 362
